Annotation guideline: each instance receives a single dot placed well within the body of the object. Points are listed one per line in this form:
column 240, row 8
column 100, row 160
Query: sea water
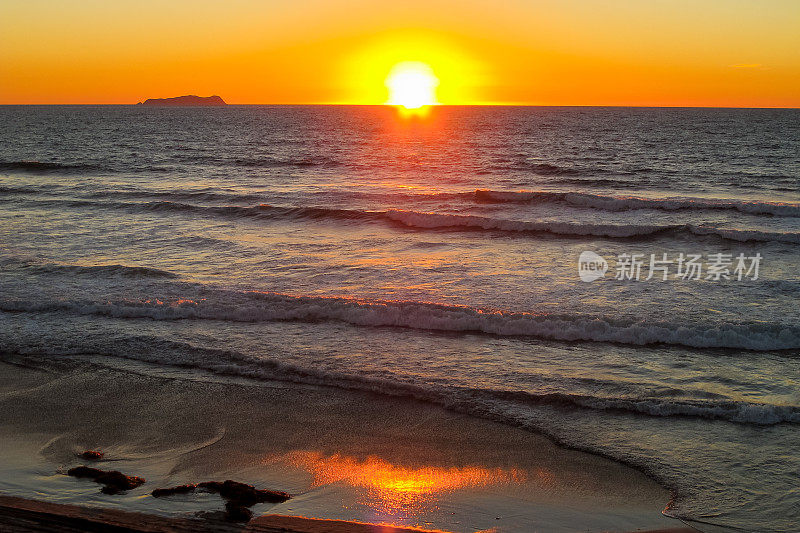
column 436, row 256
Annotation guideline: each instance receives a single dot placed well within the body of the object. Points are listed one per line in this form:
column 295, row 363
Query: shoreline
column 19, row 515
column 343, row 455
column 23, row 515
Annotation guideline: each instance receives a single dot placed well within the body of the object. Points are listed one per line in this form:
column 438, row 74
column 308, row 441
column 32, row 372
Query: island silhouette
column 188, row 100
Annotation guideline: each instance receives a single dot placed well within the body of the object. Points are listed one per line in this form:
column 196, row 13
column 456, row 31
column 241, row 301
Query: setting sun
column 412, row 84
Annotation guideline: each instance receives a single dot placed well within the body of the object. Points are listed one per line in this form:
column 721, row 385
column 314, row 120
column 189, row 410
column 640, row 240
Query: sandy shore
column 342, row 455
column 24, row 516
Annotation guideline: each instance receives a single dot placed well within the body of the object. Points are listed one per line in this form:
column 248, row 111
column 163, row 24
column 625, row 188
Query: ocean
column 439, row 257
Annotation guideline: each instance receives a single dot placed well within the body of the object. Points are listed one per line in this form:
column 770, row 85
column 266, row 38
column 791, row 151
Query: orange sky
column 738, row 53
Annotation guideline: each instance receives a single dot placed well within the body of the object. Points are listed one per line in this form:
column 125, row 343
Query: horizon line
column 433, row 105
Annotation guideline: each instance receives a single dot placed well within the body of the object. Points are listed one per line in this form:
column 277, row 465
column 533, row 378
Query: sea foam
column 264, row 306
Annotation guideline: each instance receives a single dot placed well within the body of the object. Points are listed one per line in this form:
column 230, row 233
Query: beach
column 342, row 455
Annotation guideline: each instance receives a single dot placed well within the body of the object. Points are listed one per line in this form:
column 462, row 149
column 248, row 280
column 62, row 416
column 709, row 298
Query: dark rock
column 244, row 494
column 84, row 471
column 239, row 496
column 180, row 489
column 91, row 455
column 237, row 513
column 113, row 481
column 189, row 100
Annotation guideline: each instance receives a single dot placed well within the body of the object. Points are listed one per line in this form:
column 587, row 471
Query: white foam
column 422, row 220
column 625, row 203
column 258, row 306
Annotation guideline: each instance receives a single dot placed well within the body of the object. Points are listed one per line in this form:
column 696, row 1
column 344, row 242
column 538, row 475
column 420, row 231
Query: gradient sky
column 562, row 52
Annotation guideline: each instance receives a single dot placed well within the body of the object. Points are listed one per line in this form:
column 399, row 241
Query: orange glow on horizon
column 539, row 52
column 411, row 69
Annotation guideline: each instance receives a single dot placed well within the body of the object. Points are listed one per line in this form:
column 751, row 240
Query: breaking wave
column 265, row 307
column 105, row 270
column 439, row 221
column 114, row 270
column 482, row 196
column 625, row 203
column 732, row 411
column 476, row 401
column 471, row 222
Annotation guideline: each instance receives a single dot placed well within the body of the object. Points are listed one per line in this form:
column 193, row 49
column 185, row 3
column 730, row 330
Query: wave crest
column 730, row 410
column 421, row 220
column 626, row 203
column 265, row 306
column 442, row 221
column 85, row 270
column 475, row 401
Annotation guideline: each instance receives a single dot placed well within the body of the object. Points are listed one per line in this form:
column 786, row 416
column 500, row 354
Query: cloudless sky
column 559, row 52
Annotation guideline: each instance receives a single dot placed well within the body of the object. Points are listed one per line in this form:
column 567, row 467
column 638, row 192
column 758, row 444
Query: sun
column 412, row 85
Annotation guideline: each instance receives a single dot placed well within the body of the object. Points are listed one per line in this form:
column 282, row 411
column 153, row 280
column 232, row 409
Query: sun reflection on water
column 393, row 491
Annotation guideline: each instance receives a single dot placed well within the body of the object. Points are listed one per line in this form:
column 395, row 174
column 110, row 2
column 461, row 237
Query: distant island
column 189, row 100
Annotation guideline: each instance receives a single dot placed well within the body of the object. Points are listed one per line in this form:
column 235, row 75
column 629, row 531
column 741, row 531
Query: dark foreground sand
column 24, row 516
column 342, row 455
column 21, row 515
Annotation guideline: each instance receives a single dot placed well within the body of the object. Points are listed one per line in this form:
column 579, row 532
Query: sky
column 718, row 53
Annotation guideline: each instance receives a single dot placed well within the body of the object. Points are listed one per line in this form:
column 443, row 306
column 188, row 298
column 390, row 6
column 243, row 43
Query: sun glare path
column 392, row 490
column 412, row 85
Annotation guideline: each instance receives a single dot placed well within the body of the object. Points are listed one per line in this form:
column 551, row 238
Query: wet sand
column 24, row 516
column 343, row 455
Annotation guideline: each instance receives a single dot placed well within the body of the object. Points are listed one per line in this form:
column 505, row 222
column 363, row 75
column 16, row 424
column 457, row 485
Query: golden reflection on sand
column 394, row 491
